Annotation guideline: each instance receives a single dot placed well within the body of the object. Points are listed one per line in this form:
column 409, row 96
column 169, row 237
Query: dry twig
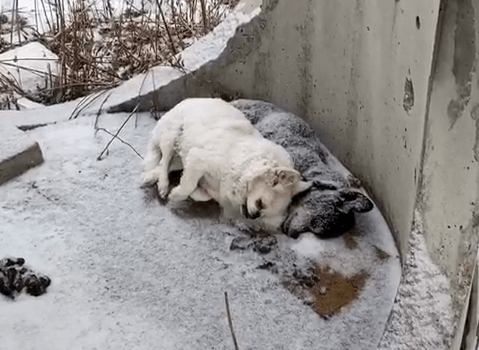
column 117, row 137
column 119, row 130
column 230, row 322
column 99, row 111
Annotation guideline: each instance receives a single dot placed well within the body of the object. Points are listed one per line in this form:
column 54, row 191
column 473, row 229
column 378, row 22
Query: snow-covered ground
column 38, row 21
column 421, row 317
column 31, row 67
column 129, row 273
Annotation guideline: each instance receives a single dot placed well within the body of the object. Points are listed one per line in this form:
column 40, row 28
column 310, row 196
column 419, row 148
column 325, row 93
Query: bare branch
column 116, row 135
column 99, row 111
column 230, row 322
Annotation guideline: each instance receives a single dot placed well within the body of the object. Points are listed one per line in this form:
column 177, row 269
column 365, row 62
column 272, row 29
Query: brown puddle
column 334, row 291
column 327, row 291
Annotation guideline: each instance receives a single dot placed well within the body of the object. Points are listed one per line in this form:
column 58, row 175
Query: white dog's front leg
column 192, row 173
column 229, row 210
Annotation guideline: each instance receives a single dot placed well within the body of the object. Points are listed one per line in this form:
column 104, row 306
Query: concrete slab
column 18, row 153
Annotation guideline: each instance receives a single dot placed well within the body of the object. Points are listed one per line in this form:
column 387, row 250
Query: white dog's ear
column 301, row 186
column 285, row 177
column 288, row 178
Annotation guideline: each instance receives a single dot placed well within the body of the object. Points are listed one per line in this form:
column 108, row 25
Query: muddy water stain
column 350, row 239
column 333, row 291
column 326, row 291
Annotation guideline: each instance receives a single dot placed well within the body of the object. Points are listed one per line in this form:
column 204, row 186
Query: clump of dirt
column 16, row 277
column 381, row 254
column 262, row 243
column 325, row 290
column 350, row 239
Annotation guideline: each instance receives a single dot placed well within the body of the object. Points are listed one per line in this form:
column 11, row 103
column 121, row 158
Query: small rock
column 266, row 265
column 240, row 243
column 265, row 245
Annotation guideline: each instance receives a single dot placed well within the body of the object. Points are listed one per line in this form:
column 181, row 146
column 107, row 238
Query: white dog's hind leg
column 163, row 168
column 151, row 170
column 192, row 173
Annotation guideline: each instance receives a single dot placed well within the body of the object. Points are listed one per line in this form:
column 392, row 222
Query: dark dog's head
column 325, row 210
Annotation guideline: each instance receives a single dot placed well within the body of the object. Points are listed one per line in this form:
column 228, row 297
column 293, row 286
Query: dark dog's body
column 327, row 210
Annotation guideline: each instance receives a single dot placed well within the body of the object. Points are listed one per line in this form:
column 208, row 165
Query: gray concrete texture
column 129, row 273
column 449, row 191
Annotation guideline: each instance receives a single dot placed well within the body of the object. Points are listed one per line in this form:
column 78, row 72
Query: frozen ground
column 129, row 273
column 421, row 317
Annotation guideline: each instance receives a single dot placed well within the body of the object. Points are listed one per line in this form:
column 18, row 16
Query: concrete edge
column 204, row 81
column 21, row 162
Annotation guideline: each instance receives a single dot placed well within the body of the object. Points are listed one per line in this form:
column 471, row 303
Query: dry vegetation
column 98, row 46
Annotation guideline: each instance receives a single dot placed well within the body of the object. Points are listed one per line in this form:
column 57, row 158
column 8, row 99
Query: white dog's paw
column 176, row 195
column 149, row 178
column 162, row 191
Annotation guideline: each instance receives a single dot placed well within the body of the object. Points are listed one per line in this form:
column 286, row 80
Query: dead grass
column 98, row 47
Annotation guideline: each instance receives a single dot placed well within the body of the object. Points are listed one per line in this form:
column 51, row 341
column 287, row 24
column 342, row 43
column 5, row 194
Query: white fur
column 223, row 158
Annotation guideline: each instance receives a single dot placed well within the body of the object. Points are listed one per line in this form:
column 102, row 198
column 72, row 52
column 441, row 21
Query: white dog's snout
column 246, row 213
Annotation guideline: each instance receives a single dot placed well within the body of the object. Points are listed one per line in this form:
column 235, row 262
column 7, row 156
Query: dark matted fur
column 327, row 210
column 15, row 277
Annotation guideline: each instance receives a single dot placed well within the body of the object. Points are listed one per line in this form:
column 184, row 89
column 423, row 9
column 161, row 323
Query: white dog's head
column 269, row 192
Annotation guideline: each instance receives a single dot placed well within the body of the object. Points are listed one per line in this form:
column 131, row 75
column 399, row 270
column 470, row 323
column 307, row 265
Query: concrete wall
column 449, row 197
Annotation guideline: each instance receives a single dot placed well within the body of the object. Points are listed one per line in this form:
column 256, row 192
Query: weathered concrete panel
column 449, row 197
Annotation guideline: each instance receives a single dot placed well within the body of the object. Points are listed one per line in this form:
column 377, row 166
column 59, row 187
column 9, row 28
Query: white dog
column 224, row 158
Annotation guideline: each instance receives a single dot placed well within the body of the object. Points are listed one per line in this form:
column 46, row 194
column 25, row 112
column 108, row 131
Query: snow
column 27, row 10
column 210, row 46
column 129, row 273
column 421, row 317
column 29, row 66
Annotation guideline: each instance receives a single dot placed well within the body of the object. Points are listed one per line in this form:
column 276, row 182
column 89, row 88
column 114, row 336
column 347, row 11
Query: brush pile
column 100, row 43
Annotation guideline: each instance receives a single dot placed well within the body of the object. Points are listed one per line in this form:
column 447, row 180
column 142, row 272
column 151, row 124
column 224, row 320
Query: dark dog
column 327, row 210
column 14, row 277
